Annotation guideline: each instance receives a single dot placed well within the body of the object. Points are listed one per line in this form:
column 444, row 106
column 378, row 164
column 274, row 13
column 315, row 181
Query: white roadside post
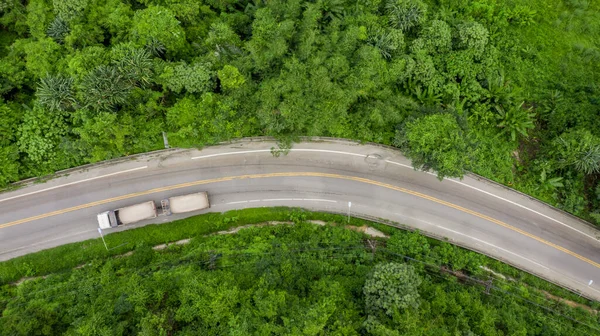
column 589, row 285
column 349, row 206
column 101, row 235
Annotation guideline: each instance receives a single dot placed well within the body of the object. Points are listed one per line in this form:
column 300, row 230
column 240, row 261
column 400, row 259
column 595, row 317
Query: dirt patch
column 368, row 231
column 499, row 275
column 318, row 222
column 22, row 280
column 164, row 246
column 569, row 302
column 236, row 229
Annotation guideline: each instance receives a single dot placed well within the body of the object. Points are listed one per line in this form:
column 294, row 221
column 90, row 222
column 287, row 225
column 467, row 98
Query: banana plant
column 514, row 120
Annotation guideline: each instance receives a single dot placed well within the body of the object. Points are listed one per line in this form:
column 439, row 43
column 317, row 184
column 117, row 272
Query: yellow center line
column 306, row 174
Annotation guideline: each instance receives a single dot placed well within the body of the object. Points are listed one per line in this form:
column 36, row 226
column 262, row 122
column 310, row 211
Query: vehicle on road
column 185, row 203
column 127, row 215
column 147, row 210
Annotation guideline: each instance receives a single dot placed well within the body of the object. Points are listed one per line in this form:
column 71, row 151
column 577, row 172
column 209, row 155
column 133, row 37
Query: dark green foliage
column 135, row 65
column 513, row 74
column 105, row 88
column 406, row 14
column 56, row 93
column 58, row 29
column 299, row 279
column 515, row 120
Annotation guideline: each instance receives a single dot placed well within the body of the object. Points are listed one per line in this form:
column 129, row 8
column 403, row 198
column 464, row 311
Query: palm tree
column 56, row 93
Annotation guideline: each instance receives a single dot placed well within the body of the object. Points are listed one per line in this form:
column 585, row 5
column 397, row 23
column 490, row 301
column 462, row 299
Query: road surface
column 326, row 175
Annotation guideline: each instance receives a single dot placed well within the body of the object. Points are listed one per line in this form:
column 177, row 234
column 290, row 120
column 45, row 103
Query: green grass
column 65, row 258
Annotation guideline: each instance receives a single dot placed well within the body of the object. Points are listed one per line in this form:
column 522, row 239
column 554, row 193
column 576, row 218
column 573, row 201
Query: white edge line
column 277, row 199
column 506, row 200
column 268, row 150
column 526, row 208
column 72, row 183
column 406, row 166
column 490, row 244
column 238, row 202
column 232, row 153
column 47, row 241
column 319, row 200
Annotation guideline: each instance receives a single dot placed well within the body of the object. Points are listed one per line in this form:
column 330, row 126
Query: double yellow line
column 304, row 174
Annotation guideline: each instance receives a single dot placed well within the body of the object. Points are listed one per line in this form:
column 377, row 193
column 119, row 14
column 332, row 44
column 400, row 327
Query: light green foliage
column 40, row 133
column 11, row 117
column 230, row 77
column 269, row 38
column 193, row 78
column 9, row 165
column 473, row 37
column 390, row 43
column 436, row 142
column 577, row 149
column 437, row 37
column 39, row 16
column 104, row 136
column 69, row 9
column 223, row 41
column 84, row 61
column 156, row 22
column 209, row 119
column 41, row 56
column 391, row 287
column 115, row 16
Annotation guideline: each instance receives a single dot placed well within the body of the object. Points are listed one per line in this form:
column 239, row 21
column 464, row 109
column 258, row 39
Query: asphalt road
column 324, row 175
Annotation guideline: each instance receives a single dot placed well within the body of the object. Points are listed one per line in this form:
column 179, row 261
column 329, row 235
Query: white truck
column 127, row 215
column 147, row 210
column 185, row 203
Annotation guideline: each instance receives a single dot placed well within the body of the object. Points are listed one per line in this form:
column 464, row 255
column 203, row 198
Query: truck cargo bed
column 187, row 203
column 136, row 213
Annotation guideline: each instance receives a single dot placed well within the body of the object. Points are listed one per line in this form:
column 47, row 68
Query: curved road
column 322, row 175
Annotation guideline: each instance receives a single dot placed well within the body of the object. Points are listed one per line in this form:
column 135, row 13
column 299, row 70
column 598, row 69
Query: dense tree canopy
column 287, row 280
column 511, row 83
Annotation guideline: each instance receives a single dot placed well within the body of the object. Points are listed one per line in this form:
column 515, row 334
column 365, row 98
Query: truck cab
column 107, row 220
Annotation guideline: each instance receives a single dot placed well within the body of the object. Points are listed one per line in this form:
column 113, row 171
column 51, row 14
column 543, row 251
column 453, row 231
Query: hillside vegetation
column 300, row 279
column 505, row 88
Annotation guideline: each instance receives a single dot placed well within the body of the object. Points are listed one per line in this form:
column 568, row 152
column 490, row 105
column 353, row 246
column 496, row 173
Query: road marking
column 319, row 200
column 72, row 183
column 406, row 166
column 238, row 202
column 268, row 151
column 47, row 241
column 492, row 245
column 277, row 199
column 298, row 199
column 526, row 208
column 305, row 174
column 503, row 199
column 283, row 199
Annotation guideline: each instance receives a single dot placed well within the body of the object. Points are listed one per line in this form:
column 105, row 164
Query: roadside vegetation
column 299, row 278
column 504, row 88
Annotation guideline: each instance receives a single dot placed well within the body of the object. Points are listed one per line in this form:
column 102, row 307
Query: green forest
column 507, row 89
column 301, row 279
